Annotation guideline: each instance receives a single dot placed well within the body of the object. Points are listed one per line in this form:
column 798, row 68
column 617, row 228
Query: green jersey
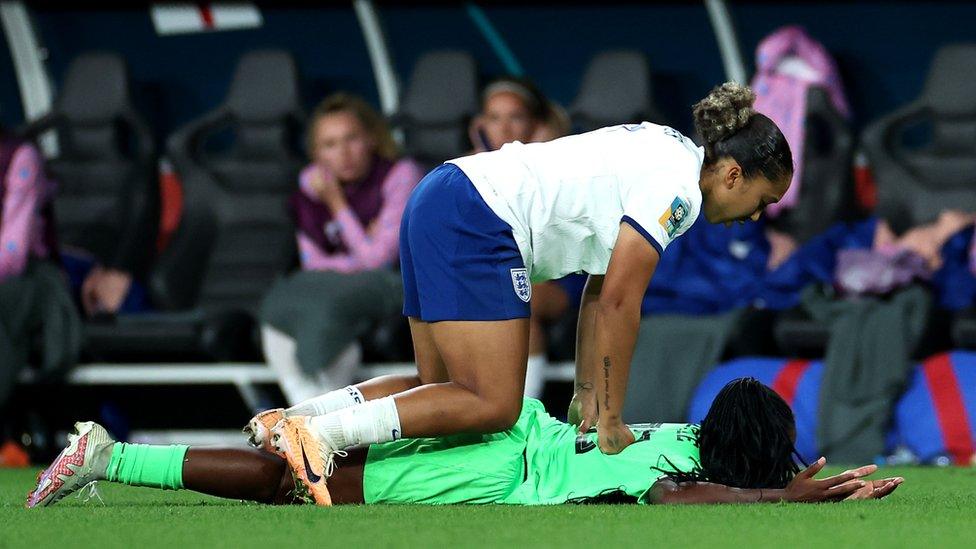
column 539, row 461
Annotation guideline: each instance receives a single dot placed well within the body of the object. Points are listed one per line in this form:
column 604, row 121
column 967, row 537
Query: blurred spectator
column 513, row 109
column 25, row 192
column 347, row 213
column 788, row 63
column 34, row 302
column 926, row 240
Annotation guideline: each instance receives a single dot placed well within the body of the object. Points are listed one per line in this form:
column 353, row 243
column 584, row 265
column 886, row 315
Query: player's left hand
column 583, row 412
column 613, row 436
column 876, row 489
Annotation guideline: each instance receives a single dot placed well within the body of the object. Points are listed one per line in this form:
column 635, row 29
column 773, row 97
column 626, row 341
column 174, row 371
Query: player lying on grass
column 741, row 453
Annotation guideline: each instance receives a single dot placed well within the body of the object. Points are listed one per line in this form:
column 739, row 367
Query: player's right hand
column 613, row 436
column 806, row 489
column 876, row 489
column 583, row 410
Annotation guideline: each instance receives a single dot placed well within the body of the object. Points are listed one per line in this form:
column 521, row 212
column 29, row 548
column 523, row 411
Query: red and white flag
column 185, row 17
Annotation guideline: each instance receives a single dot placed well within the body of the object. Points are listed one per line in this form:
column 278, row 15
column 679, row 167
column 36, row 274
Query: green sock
column 147, row 465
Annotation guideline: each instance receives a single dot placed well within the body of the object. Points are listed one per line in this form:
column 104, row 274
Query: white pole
column 27, row 55
column 728, row 44
column 379, row 55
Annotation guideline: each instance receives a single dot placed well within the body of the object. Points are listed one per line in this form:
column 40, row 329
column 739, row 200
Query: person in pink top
column 347, row 213
column 34, row 298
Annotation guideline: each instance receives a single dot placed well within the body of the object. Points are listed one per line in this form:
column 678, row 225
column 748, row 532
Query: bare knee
column 501, row 415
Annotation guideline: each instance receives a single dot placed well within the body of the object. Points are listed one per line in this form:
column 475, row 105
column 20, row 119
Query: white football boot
column 82, row 462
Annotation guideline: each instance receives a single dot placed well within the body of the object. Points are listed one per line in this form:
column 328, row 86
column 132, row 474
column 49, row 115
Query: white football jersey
column 565, row 199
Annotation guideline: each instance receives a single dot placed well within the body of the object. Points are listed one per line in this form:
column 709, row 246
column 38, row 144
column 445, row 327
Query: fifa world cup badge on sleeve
column 673, row 217
column 520, row 281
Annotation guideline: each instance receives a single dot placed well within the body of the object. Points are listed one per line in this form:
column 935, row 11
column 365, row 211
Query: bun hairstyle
column 725, row 111
column 731, row 127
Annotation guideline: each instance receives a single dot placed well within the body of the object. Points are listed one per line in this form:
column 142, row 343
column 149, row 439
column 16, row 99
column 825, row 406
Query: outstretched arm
column 667, row 491
column 802, row 489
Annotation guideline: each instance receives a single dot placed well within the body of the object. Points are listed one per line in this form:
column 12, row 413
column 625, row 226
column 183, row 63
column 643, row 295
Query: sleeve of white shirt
column 660, row 212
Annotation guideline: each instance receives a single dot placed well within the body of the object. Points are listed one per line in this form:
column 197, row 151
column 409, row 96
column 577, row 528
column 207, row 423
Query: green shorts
column 456, row 469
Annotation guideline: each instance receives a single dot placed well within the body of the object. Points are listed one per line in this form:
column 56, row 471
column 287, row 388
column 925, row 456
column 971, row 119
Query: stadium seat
column 615, row 89
column 440, row 98
column 924, row 154
column 107, row 201
column 238, row 165
column 918, row 179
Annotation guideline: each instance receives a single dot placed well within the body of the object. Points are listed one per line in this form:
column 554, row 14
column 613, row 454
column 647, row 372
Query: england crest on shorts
column 520, row 281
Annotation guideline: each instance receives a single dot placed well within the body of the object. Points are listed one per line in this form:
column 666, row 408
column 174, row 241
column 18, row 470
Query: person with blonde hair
column 347, row 214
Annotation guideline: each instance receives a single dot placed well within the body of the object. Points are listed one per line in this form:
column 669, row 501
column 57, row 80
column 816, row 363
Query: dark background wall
column 883, row 48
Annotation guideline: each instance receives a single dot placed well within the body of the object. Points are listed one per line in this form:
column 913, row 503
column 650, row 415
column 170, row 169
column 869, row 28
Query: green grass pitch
column 935, row 508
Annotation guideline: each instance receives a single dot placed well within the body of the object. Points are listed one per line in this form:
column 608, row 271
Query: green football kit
column 539, row 461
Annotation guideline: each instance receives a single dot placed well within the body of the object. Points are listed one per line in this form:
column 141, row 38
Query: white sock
column 332, row 401
column 535, row 375
column 368, row 423
column 279, row 353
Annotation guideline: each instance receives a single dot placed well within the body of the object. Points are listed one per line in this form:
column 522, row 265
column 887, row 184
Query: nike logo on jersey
column 584, row 444
column 312, row 477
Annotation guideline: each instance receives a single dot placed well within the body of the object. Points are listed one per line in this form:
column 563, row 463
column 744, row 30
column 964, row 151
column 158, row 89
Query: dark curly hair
column 730, row 127
column 746, row 440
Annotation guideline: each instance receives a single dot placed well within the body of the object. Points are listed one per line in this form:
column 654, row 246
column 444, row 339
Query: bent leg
column 430, row 366
column 486, row 365
column 430, row 369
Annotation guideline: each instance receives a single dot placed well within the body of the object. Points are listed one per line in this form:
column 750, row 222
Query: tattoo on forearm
column 584, row 386
column 606, row 383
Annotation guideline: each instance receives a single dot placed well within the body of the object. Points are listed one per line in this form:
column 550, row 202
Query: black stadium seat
column 107, row 201
column 924, row 155
column 440, row 99
column 917, row 180
column 615, row 89
column 238, row 165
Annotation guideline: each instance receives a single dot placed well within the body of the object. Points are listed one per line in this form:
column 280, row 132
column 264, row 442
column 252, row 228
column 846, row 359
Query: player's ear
column 733, row 175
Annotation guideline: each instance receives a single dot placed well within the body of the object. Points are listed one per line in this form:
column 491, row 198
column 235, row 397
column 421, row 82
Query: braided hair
column 745, row 440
